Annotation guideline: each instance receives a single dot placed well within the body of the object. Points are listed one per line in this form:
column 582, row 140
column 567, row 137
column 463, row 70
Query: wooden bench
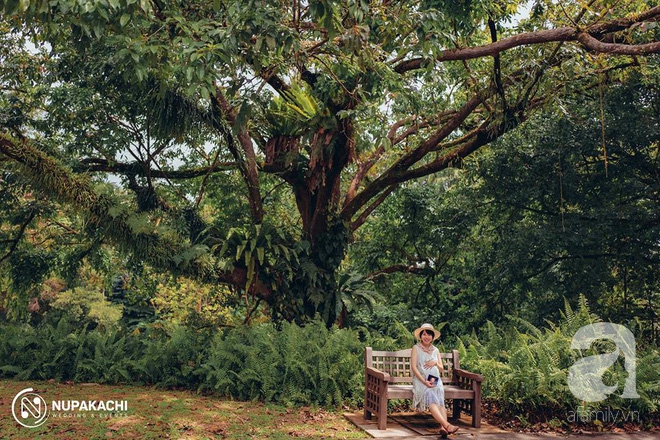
column 388, row 376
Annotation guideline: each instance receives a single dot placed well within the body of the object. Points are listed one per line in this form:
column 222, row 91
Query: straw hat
column 436, row 333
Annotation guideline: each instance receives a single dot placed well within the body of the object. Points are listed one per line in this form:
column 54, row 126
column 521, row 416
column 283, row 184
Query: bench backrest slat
column 397, row 364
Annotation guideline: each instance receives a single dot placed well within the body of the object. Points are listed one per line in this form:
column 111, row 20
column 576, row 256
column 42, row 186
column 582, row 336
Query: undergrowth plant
column 293, row 365
column 525, row 367
column 46, row 352
column 525, row 370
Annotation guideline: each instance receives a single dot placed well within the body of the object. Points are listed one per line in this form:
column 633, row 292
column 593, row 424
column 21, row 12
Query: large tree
column 564, row 209
column 256, row 136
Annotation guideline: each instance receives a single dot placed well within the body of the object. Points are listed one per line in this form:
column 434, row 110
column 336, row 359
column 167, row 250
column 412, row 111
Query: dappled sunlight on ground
column 155, row 414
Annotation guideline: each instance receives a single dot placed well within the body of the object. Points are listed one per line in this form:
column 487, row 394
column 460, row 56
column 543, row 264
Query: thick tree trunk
column 318, row 202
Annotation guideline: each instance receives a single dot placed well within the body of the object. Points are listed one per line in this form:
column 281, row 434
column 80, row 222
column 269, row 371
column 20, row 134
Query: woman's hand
column 430, row 364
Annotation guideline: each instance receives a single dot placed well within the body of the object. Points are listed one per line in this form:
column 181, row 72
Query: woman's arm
column 413, row 365
column 434, row 362
column 441, row 367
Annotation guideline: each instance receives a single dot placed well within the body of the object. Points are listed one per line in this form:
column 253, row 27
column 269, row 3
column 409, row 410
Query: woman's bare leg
column 439, row 413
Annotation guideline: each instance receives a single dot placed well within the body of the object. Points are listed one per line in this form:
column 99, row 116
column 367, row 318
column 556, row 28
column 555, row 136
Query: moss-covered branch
column 161, row 249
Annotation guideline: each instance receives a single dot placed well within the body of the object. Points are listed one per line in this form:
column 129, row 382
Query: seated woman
column 428, row 392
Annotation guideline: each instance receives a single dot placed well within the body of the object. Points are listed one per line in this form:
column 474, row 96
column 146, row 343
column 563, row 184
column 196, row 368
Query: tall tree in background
column 567, row 207
column 256, row 136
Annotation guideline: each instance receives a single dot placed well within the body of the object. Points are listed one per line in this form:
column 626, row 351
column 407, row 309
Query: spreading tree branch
column 591, row 38
column 245, row 159
column 395, row 173
column 397, row 268
column 16, row 240
column 94, row 164
column 159, row 250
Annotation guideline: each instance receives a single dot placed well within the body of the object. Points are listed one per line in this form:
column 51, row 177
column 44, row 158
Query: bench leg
column 367, row 414
column 476, row 406
column 382, row 415
column 382, row 422
column 476, row 415
column 456, row 414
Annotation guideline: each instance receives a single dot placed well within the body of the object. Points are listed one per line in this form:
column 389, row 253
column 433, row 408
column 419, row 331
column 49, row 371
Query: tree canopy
column 245, row 142
column 541, row 217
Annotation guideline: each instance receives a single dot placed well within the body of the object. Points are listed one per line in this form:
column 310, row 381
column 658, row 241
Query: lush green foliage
column 291, row 365
column 82, row 306
column 182, row 135
column 187, row 302
column 526, row 368
column 545, row 214
column 169, row 170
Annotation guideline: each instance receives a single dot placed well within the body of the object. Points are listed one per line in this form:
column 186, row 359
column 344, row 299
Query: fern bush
column 525, row 369
column 104, row 357
column 42, row 353
column 238, row 363
column 293, row 365
column 168, row 357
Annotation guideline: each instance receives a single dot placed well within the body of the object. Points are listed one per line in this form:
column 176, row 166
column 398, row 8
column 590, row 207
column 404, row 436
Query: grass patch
column 157, row 414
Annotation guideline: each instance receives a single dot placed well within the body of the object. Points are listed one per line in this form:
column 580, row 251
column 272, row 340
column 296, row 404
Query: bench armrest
column 375, row 395
column 470, row 376
column 470, row 381
column 467, row 380
column 376, row 373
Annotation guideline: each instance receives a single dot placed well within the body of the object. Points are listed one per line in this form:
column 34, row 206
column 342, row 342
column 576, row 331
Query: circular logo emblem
column 29, row 409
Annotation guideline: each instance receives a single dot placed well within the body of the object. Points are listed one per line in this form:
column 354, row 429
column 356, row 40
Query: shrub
column 525, row 369
column 46, row 352
column 104, row 357
column 293, row 365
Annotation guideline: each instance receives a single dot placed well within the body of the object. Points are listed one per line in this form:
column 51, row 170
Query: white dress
column 424, row 396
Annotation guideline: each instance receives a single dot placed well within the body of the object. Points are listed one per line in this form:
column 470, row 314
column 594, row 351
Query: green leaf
column 103, row 13
column 145, row 5
column 11, row 6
